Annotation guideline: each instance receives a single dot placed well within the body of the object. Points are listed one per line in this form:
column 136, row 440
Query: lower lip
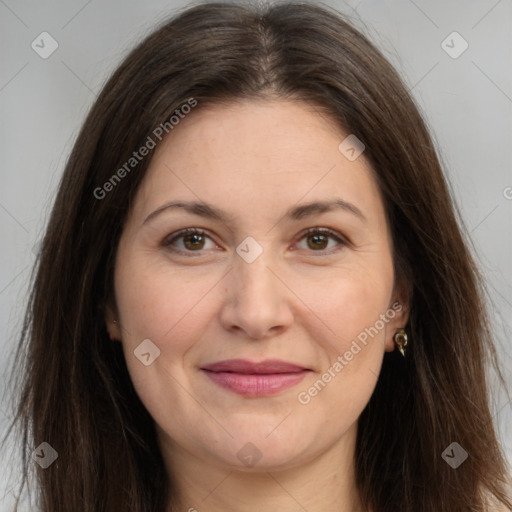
column 256, row 385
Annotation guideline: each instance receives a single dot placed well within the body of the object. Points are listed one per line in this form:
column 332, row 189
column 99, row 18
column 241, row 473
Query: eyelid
column 169, row 239
column 341, row 239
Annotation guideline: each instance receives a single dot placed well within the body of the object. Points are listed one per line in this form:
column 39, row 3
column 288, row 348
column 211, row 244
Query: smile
column 255, row 379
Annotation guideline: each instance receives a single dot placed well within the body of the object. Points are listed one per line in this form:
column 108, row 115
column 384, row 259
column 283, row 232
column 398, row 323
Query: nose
column 257, row 299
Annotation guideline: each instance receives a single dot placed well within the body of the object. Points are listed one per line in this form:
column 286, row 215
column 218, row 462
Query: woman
column 253, row 292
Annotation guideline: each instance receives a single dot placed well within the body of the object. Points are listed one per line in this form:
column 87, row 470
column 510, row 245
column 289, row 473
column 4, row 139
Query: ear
column 113, row 327
column 398, row 314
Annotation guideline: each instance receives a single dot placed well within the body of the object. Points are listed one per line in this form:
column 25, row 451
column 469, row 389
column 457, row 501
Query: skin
column 303, row 300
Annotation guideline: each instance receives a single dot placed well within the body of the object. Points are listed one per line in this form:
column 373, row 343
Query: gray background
column 467, row 102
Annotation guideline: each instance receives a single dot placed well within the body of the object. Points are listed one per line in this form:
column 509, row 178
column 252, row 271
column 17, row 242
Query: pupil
column 196, row 238
column 318, row 239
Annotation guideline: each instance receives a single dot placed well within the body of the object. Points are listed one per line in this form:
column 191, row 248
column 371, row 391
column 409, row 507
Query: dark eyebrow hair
column 296, row 213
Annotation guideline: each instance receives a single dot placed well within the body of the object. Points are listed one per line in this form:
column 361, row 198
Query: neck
column 326, row 482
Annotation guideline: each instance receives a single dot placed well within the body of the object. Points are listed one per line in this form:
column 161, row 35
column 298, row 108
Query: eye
column 317, row 240
column 193, row 240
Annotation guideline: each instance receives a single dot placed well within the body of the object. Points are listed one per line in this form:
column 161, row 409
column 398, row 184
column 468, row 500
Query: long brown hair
column 76, row 393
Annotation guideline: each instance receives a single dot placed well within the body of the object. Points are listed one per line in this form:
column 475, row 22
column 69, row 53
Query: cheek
column 159, row 302
column 350, row 306
column 351, row 336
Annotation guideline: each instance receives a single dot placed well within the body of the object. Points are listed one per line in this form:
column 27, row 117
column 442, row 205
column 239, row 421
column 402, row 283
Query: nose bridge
column 255, row 283
column 251, row 262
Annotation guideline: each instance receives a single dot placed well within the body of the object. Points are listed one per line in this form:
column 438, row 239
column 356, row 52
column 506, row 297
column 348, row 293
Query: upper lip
column 268, row 366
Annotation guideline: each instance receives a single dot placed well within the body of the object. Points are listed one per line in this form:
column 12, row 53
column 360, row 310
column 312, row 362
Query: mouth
column 250, row 379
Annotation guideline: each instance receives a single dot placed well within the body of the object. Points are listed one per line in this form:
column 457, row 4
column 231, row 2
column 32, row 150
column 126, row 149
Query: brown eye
column 194, row 241
column 318, row 240
column 188, row 240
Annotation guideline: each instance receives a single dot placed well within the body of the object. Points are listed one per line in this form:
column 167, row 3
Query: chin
column 256, row 453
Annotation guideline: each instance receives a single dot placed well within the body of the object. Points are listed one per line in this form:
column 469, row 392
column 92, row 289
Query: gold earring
column 401, row 340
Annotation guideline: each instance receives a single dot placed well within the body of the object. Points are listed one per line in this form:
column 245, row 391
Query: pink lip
column 255, row 379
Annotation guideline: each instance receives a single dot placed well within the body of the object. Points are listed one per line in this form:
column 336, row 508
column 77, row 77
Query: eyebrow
column 296, row 213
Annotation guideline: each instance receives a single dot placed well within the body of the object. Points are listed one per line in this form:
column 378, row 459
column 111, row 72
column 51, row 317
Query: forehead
column 256, row 157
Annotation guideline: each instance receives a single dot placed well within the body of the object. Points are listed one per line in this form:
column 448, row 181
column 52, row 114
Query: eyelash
column 167, row 242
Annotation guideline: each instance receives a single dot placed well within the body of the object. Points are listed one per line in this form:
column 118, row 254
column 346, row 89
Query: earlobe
column 113, row 327
column 113, row 334
column 399, row 317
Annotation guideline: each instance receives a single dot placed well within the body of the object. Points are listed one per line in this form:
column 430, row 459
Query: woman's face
column 254, row 285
